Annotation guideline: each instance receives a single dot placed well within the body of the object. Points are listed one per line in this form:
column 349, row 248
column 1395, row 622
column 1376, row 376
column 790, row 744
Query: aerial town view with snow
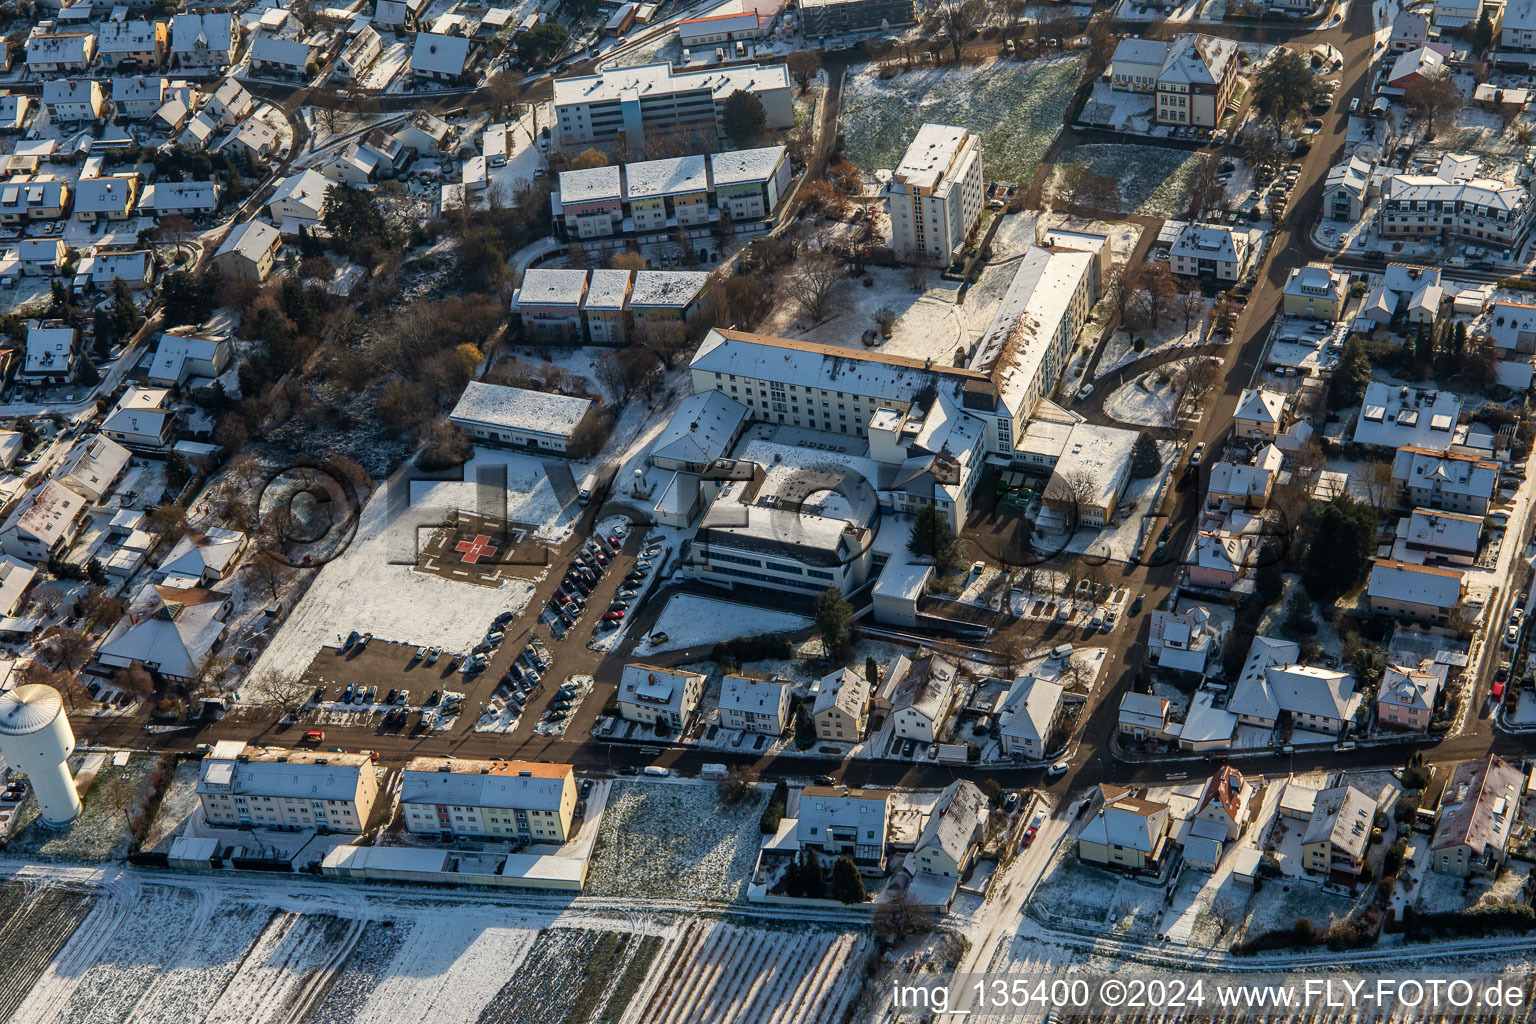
column 767, row 511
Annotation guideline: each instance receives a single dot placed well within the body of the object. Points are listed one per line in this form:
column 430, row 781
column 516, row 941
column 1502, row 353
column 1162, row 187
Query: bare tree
column 1379, row 485
column 811, row 280
column 134, row 679
column 99, row 607
column 1193, row 380
column 49, row 600
column 70, row 648
column 1432, row 95
column 1189, row 305
column 1071, row 495
column 268, row 573
column 668, row 339
column 270, row 686
column 898, row 917
column 957, row 19
column 885, row 319
column 803, row 67
column 279, row 526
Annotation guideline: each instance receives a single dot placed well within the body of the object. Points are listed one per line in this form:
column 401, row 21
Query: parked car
column 1058, row 769
column 314, row 736
column 432, row 653
column 659, row 638
column 1197, row 454
column 612, row 616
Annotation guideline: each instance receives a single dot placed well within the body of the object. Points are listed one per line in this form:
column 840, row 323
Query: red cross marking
column 474, row 550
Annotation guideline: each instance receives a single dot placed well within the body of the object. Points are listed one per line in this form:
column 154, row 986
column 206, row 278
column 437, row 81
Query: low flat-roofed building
column 289, row 790
column 499, row 415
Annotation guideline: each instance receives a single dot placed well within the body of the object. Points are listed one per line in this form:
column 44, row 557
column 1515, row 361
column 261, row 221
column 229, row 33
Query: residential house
column 1410, row 31
column 1479, row 808
column 105, row 199
column 1211, row 251
column 359, row 54
column 1518, row 33
column 1455, row 203
column 255, row 136
column 1347, row 189
column 13, row 111
column 655, row 695
column 1144, row 716
column 1224, row 803
column 1316, row 291
column 16, row 579
column 440, row 58
column 840, row 822
column 74, row 99
column 128, row 43
column 52, row 53
column 198, row 131
column 201, row 559
column 44, row 523
column 32, row 201
column 52, row 354
column 191, row 199
column 139, row 97
column 841, row 710
column 93, row 467
column 1197, row 81
column 241, row 786
column 399, row 15
column 142, row 419
column 300, row 198
column 249, row 251
column 1412, row 66
column 1431, row 478
column 1245, row 486
column 1406, row 293
column 952, row 834
column 1126, row 831
column 1394, row 417
column 181, row 357
column 1029, row 716
column 1406, row 698
column 921, row 703
column 1224, row 557
column 229, row 104
column 100, row 270
column 510, row 417
column 1338, row 833
column 754, row 703
column 1423, row 593
column 204, row 41
column 41, row 257
column 426, row 133
column 1428, row 537
column 1450, row 15
column 1273, row 685
column 286, row 57
column 498, row 800
column 1511, row 327
column 1182, row 642
column 935, row 196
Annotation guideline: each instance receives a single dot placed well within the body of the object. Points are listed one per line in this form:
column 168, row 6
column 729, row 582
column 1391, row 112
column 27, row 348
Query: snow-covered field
column 1017, row 106
column 692, row 621
column 175, row 948
column 662, row 839
column 373, row 586
column 1153, row 180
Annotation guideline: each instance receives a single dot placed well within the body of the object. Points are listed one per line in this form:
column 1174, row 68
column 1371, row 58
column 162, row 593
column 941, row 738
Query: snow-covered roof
column 439, row 54
column 1143, row 709
column 284, row 774
column 927, row 690
column 1392, row 417
column 181, row 195
column 104, row 195
column 824, row 809
column 1407, row 688
column 930, row 155
column 1315, row 279
column 700, row 430
column 252, row 239
column 1198, row 59
column 1205, row 722
column 1451, row 473
column 1443, row 531
column 652, row 80
column 667, row 289
column 285, row 52
column 954, row 825
column 1099, row 454
column 1427, row 585
column 498, row 405
column 212, row 31
column 1479, row 805
column 1126, row 821
column 500, row 785
column 1511, row 324
column 45, row 513
column 657, row 687
column 125, row 36
column 198, row 554
column 746, row 165
column 1271, row 681
column 1342, row 817
column 1140, row 51
column 1210, row 242
column 1496, row 195
column 755, row 695
column 66, row 48
column 1423, row 61
column 140, row 411
column 543, row 286
column 1030, row 708
column 590, row 184
column 93, row 464
column 138, row 88
column 40, row 250
column 49, row 349
column 70, row 90
column 307, row 188
column 674, row 176
column 846, row 689
column 607, row 290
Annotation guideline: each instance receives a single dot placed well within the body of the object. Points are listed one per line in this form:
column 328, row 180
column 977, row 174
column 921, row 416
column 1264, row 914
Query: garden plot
column 1017, row 105
column 1073, row 894
column 389, row 64
column 1153, row 180
column 101, row 830
column 693, row 621
column 1283, row 901
column 373, row 585
column 675, row 840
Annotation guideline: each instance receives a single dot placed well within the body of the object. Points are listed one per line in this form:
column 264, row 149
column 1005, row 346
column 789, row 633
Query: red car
column 314, row 736
column 612, row 616
column 1029, row 836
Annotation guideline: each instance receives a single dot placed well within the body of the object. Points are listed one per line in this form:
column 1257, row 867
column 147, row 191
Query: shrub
column 774, row 812
column 743, row 649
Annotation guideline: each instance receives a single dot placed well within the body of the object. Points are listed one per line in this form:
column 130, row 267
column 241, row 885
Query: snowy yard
column 101, row 830
column 693, row 621
column 1153, row 180
column 176, row 806
column 675, row 840
column 1017, row 106
column 1146, row 401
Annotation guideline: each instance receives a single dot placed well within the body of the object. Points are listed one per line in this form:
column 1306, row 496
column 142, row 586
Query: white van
column 1062, row 651
column 656, row 770
column 713, row 771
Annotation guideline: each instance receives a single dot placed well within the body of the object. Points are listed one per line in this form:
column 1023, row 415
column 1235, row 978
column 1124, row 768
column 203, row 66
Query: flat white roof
column 497, row 405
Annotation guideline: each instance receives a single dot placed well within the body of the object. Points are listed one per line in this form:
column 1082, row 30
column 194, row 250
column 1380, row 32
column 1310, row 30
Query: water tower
column 35, row 738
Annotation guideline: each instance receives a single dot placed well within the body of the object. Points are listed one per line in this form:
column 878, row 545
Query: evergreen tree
column 1482, row 36
column 1145, row 459
column 1342, row 542
column 1347, row 385
column 847, row 885
column 743, row 118
column 811, row 876
column 832, row 617
column 932, row 537
column 88, row 374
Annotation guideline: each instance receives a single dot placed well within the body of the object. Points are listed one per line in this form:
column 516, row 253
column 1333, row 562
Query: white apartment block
column 452, row 797
column 936, row 194
column 1456, row 203
column 291, row 790
column 628, row 102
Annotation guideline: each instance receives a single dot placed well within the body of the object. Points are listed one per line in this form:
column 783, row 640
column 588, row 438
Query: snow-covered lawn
column 1148, row 406
column 389, row 64
column 1153, row 180
column 1017, row 106
column 101, row 830
column 1171, row 335
column 176, row 806
column 692, row 621
column 374, row 587
column 661, row 839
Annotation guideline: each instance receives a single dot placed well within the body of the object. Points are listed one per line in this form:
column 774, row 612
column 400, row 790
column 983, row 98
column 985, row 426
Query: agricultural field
column 1153, row 181
column 171, row 948
column 676, row 841
column 1020, row 103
